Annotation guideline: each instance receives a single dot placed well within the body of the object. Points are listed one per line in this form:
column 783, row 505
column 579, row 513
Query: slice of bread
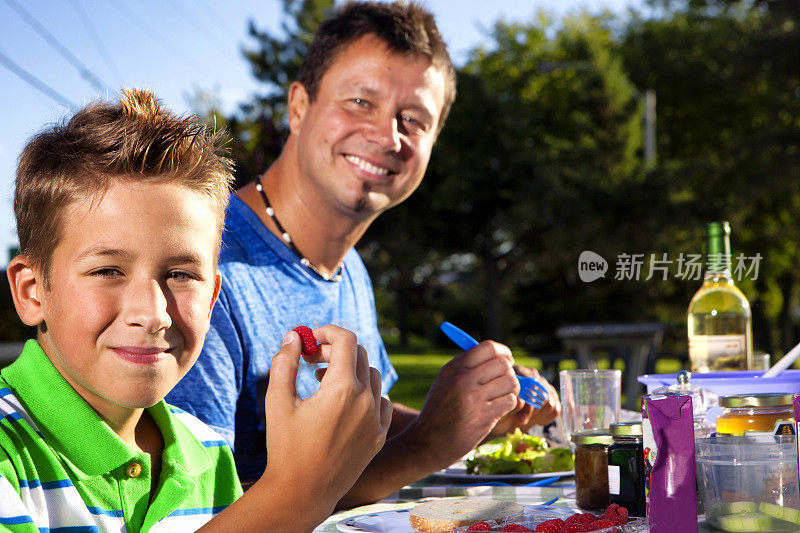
column 442, row 516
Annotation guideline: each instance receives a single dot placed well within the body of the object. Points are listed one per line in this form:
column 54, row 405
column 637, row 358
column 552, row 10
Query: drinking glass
column 590, row 399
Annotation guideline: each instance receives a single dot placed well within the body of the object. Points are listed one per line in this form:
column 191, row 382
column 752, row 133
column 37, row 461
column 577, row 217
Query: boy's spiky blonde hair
column 137, row 139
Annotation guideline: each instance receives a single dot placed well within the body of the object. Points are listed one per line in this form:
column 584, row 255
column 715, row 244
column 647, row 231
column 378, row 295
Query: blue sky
column 175, row 47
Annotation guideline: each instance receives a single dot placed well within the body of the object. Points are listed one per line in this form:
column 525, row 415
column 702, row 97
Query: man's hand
column 525, row 416
column 471, row 394
column 321, row 445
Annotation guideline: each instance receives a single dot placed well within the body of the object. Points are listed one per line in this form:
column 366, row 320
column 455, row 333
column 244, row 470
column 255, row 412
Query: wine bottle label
column 714, row 346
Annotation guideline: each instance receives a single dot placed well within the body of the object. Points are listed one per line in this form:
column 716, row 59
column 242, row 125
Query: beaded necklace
column 337, row 275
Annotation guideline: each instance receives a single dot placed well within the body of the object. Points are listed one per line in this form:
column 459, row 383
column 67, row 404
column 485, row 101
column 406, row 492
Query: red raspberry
column 617, row 514
column 551, row 526
column 515, row 527
column 574, row 527
column 480, row 526
column 307, row 339
column 603, row 523
column 581, row 518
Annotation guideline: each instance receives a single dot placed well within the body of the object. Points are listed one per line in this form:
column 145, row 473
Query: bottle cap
column 718, row 229
column 592, row 436
column 626, row 429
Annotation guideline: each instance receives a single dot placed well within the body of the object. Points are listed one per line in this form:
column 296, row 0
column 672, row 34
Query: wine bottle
column 719, row 319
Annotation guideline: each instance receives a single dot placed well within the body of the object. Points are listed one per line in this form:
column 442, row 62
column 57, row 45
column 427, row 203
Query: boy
column 119, row 216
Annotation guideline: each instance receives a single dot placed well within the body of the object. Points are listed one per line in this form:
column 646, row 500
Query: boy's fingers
column 375, row 381
column 283, row 371
column 339, row 347
column 363, row 370
column 386, row 413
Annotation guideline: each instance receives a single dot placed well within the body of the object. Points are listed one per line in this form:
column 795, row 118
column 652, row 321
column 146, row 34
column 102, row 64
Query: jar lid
column 766, row 399
column 592, row 436
column 626, row 429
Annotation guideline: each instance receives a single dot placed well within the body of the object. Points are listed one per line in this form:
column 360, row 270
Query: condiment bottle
column 703, row 401
column 591, row 468
column 626, row 468
column 771, row 413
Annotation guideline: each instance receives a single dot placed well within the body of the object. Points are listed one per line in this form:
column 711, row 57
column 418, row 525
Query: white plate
column 380, row 522
column 459, row 471
column 397, row 521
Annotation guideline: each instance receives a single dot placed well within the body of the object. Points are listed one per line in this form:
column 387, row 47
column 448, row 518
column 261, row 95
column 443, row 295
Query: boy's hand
column 320, row 445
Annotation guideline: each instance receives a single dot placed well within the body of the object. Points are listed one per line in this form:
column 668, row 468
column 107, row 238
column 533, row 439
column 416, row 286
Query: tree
column 259, row 129
column 543, row 132
column 726, row 74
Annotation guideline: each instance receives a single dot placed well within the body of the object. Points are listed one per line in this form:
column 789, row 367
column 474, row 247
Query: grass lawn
column 417, row 372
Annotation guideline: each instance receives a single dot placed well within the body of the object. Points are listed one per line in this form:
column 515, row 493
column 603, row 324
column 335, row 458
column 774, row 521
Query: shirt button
column 133, row 470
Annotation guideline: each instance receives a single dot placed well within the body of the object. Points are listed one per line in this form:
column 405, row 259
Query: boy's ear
column 298, row 104
column 217, row 285
column 25, row 285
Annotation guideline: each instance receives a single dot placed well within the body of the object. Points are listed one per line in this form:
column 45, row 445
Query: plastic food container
column 762, row 413
column 749, row 483
column 733, row 382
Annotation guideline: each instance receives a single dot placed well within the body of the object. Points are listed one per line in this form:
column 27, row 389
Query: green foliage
column 728, row 84
column 260, row 128
column 542, row 159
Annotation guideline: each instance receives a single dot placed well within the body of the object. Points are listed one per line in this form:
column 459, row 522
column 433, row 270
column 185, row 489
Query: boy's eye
column 180, row 275
column 107, row 272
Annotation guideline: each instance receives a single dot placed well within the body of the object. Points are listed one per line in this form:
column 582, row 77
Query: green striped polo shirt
column 63, row 469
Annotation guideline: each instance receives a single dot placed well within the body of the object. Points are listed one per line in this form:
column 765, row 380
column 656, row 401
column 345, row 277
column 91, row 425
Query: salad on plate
column 518, row 453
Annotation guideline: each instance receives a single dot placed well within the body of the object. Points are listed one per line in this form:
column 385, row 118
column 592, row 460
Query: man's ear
column 298, row 105
column 25, row 283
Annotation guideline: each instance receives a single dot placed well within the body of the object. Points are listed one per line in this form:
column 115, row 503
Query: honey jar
column 771, row 413
column 591, row 468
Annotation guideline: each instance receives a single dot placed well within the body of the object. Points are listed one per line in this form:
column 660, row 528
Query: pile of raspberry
column 613, row 516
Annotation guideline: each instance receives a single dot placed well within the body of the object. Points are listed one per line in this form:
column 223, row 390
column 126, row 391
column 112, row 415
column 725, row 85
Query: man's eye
column 414, row 124
column 360, row 102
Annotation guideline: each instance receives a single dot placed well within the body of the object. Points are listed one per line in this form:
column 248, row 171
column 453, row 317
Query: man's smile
column 366, row 166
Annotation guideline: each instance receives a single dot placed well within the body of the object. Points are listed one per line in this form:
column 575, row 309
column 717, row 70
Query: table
column 434, row 487
column 637, row 342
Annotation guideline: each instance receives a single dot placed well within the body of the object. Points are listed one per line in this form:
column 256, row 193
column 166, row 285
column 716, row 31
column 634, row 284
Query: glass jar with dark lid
column 626, row 468
column 756, row 413
column 591, row 468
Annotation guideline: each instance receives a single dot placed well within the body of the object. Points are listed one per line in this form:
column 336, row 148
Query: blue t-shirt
column 266, row 291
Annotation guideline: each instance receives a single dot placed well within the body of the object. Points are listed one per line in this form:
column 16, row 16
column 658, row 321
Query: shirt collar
column 69, row 425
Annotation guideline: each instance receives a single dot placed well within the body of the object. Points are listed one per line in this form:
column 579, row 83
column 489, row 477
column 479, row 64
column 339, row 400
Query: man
column 372, row 96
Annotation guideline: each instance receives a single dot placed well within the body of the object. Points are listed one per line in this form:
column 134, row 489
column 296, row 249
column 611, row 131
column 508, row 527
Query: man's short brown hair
column 404, row 26
column 136, row 139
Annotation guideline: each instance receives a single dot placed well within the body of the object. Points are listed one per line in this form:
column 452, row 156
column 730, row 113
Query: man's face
column 132, row 284
column 365, row 141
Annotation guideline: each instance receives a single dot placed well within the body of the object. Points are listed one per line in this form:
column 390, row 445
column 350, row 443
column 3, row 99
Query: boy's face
column 132, row 284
